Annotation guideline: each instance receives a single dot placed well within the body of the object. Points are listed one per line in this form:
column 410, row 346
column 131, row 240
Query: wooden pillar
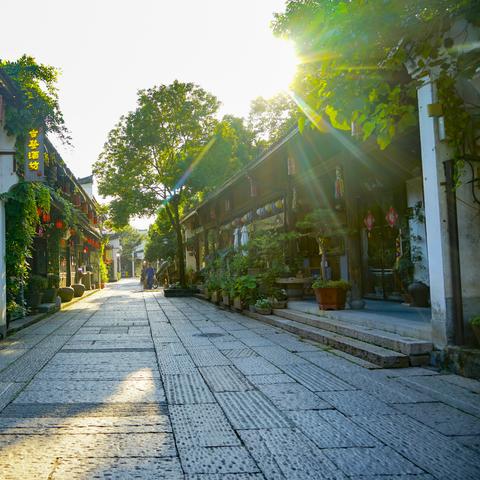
column 353, row 238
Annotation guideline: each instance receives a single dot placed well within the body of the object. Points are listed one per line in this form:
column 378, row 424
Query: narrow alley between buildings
column 129, row 384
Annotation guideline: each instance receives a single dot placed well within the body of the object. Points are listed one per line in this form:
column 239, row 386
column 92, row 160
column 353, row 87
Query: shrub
column 319, row 283
column 475, row 321
column 263, row 303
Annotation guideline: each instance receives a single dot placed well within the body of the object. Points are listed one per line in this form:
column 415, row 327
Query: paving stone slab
column 377, row 460
column 87, row 391
column 385, row 389
column 186, row 388
column 81, row 446
column 292, row 396
column 217, row 460
column 467, row 383
column 85, row 424
column 24, row 369
column 137, row 359
column 315, row 378
column 22, row 466
column 201, row 426
column 177, row 364
column 102, row 349
column 470, row 441
column 240, row 352
column 8, row 391
column 356, row 403
column 255, row 366
column 331, row 429
column 279, row 356
column 164, row 468
column 95, row 372
column 436, row 454
column 391, row 477
column 268, row 379
column 287, row 453
column 208, row 357
column 228, row 476
column 445, row 392
column 247, row 410
column 225, row 379
column 443, row 418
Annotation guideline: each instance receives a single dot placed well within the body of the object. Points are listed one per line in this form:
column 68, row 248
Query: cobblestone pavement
column 129, row 384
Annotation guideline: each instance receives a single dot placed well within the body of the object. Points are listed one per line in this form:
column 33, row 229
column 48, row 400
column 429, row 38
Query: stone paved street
column 129, row 384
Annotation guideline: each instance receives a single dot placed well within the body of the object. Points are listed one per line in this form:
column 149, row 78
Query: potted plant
column 78, row 289
column 244, row 291
column 50, row 293
column 263, row 306
column 331, row 294
column 279, row 298
column 36, row 286
column 475, row 324
column 66, row 294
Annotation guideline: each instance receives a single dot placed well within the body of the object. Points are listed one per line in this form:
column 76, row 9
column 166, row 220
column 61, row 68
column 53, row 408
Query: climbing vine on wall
column 22, row 219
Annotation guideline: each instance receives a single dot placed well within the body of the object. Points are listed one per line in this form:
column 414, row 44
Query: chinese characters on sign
column 34, row 155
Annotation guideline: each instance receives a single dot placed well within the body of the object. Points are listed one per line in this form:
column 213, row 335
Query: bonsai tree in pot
column 331, row 294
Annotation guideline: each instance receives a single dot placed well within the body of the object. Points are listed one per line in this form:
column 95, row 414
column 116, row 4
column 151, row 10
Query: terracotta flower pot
column 331, row 298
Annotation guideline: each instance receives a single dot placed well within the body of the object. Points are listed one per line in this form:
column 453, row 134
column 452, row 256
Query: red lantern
column 391, row 217
column 39, row 211
column 59, row 224
column 45, row 217
column 63, row 243
column 369, row 221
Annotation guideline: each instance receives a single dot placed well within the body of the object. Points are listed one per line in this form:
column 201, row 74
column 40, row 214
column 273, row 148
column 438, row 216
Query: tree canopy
column 149, row 157
column 38, row 102
column 270, row 119
column 354, row 54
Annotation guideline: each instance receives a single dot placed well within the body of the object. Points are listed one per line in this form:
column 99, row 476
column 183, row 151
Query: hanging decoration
column 391, row 217
column 291, row 166
column 339, row 184
column 253, row 186
column 369, row 221
column 59, row 224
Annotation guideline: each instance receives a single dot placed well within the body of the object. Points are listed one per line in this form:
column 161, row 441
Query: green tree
column 232, row 148
column 130, row 238
column 160, row 243
column 355, row 55
column 148, row 156
column 38, row 102
column 271, row 119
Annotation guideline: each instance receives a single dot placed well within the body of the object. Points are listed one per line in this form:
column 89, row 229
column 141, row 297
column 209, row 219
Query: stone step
column 381, row 356
column 391, row 341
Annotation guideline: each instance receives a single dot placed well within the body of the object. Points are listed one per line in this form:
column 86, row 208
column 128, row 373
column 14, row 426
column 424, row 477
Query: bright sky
column 108, row 49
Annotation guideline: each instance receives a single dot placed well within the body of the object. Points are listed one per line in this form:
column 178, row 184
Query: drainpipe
column 454, row 245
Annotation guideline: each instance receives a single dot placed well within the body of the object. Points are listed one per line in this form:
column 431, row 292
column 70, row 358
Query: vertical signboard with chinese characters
column 34, row 156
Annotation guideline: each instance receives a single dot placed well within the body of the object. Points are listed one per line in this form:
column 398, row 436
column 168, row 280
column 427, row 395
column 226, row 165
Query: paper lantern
column 59, row 224
column 369, row 221
column 391, row 217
